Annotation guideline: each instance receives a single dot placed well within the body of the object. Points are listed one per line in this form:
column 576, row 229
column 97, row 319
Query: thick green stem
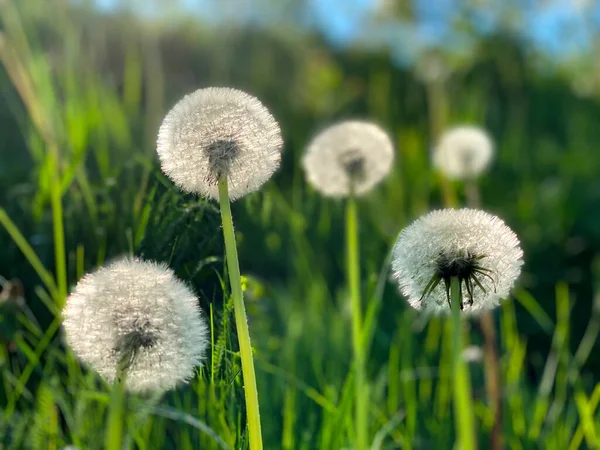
column 463, row 404
column 353, row 268
column 116, row 414
column 241, row 322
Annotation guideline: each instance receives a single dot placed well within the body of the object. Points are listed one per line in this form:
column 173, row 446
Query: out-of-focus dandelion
column 348, row 158
column 463, row 153
column 136, row 320
column 219, row 133
column 476, row 248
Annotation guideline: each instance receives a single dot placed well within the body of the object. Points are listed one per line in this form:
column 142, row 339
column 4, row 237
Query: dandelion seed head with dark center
column 471, row 245
column 142, row 336
column 128, row 346
column 219, row 132
column 354, row 164
column 348, row 157
column 466, row 268
column 461, row 267
column 136, row 317
column 221, row 156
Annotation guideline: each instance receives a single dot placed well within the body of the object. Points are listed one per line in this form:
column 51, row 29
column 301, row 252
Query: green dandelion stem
column 241, row 322
column 463, row 403
column 353, row 269
column 116, row 414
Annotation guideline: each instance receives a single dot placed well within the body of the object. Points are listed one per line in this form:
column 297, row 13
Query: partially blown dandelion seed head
column 463, row 153
column 219, row 132
column 472, row 245
column 351, row 155
column 139, row 316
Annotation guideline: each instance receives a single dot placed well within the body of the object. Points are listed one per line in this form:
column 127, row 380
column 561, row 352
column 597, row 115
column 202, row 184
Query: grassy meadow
column 83, row 95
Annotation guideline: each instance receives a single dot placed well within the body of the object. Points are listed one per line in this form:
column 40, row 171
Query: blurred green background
column 84, row 86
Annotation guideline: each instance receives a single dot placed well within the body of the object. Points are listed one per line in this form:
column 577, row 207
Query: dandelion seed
column 137, row 316
column 349, row 156
column 471, row 245
column 219, row 132
column 463, row 153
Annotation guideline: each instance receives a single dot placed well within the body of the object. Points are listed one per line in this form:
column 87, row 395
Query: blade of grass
column 28, row 252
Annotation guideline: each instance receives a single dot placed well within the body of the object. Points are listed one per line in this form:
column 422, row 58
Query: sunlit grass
column 95, row 192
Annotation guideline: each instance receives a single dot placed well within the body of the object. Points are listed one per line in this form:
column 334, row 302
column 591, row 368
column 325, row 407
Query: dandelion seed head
column 137, row 315
column 349, row 155
column 463, row 153
column 462, row 243
column 219, row 132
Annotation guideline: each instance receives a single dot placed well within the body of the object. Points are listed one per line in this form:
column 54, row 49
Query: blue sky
column 556, row 26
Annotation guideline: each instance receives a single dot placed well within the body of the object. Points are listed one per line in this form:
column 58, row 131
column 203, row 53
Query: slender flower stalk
column 463, row 404
column 241, row 321
column 353, row 271
column 116, row 414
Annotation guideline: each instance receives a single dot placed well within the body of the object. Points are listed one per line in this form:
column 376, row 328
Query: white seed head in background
column 348, row 153
column 472, row 245
column 463, row 153
column 139, row 313
column 219, row 132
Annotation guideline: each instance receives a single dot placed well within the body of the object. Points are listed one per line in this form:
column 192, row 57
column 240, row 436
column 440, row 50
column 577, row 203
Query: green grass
column 83, row 187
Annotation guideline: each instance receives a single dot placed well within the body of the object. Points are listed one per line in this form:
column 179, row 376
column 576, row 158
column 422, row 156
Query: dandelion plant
column 347, row 160
column 457, row 261
column 222, row 144
column 463, row 152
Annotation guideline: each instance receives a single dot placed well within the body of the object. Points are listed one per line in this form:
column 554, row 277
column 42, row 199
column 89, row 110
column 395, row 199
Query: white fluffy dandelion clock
column 349, row 157
column 219, row 132
column 137, row 318
column 463, row 153
column 475, row 247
